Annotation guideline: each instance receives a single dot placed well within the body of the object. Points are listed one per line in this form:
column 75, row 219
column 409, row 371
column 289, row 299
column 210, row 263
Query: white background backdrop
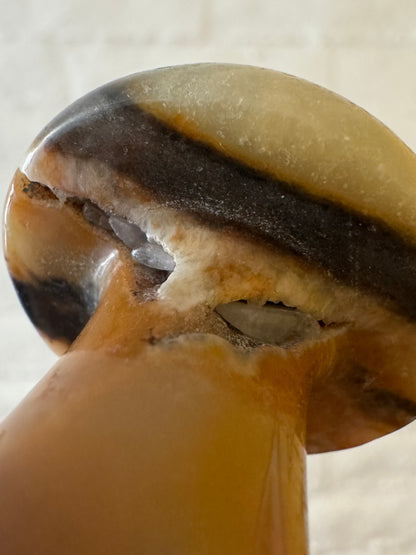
column 53, row 51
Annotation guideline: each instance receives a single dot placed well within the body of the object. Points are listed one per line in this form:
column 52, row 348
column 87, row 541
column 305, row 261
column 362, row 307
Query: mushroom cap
column 247, row 184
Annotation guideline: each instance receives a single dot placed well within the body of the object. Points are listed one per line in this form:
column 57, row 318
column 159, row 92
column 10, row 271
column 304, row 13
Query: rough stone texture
column 361, row 502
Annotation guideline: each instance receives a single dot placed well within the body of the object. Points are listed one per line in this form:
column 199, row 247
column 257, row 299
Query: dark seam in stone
column 386, row 405
column 378, row 402
column 360, row 398
column 187, row 175
column 57, row 308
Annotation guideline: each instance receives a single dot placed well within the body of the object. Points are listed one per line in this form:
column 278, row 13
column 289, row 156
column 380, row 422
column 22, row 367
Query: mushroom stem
column 191, row 448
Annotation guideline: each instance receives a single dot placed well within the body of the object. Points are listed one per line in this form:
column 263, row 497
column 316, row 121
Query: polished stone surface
column 324, row 187
column 270, row 202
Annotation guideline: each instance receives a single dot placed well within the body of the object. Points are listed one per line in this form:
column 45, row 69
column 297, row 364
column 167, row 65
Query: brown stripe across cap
column 187, row 173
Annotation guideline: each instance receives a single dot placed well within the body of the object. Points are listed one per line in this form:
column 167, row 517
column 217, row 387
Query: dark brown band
column 56, row 307
column 182, row 173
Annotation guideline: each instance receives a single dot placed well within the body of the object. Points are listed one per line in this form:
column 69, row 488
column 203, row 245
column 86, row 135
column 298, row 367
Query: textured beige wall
column 53, row 51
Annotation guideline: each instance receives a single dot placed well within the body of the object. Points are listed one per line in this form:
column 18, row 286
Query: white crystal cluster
column 271, row 323
column 144, row 251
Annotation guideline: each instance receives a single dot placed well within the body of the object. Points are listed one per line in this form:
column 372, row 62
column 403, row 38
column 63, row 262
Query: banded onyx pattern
column 156, row 148
column 186, row 174
column 273, row 159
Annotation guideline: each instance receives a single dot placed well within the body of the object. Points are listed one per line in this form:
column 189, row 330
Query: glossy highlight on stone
column 227, row 255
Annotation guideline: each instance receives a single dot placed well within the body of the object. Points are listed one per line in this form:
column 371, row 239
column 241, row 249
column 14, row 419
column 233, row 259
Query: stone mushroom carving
column 227, row 257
